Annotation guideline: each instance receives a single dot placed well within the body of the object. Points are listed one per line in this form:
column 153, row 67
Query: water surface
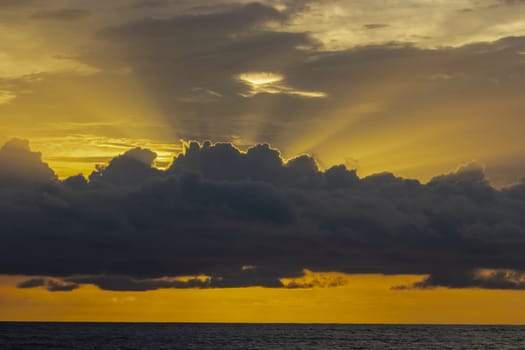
column 255, row 336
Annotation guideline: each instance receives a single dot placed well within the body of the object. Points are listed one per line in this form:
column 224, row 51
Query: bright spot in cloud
column 260, row 78
column 272, row 83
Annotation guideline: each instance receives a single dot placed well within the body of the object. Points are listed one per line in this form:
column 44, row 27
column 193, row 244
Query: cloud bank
column 219, row 217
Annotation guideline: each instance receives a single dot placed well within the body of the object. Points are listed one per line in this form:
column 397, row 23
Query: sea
column 202, row 336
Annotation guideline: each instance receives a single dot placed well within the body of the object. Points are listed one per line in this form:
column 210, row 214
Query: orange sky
column 364, row 299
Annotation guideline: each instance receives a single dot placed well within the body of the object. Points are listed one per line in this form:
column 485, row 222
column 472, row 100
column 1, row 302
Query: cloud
column 472, row 172
column 476, row 278
column 217, row 210
column 271, row 83
column 129, row 169
column 19, row 165
column 247, row 276
column 200, row 95
column 123, row 283
column 151, row 4
column 375, row 26
column 311, row 279
column 234, row 18
column 6, row 97
column 51, row 284
column 18, row 3
column 511, row 2
column 65, row 14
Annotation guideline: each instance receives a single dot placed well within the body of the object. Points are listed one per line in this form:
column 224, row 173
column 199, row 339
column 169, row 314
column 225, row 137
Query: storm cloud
column 219, row 217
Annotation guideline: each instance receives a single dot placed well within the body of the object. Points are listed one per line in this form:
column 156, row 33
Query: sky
column 275, row 161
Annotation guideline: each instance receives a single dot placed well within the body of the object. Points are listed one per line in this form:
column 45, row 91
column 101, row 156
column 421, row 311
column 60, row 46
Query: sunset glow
column 335, row 161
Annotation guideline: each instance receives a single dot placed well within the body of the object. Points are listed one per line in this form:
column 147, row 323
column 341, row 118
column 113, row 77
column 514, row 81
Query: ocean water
column 255, row 336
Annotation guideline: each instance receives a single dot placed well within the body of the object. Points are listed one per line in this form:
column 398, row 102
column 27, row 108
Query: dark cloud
column 151, row 4
column 51, row 284
column 65, row 14
column 232, row 279
column 375, row 26
column 490, row 279
column 19, row 165
column 217, row 209
column 17, row 3
column 231, row 19
column 511, row 2
column 32, row 283
column 468, row 173
column 123, row 283
column 129, row 169
column 240, row 219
